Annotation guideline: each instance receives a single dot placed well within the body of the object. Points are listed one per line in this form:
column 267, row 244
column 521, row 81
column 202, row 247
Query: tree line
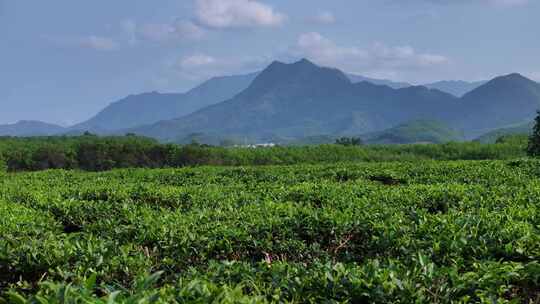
column 93, row 153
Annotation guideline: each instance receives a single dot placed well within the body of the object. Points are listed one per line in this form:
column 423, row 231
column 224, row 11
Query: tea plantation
column 396, row 232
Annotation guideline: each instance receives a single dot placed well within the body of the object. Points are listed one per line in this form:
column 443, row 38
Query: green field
column 389, row 232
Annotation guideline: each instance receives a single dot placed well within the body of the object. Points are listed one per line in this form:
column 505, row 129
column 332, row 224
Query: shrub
column 349, row 141
column 534, row 140
column 52, row 157
column 3, row 165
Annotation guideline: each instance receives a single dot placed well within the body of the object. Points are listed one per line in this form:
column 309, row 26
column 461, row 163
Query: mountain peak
column 514, row 81
column 275, row 63
column 514, row 78
column 514, row 75
column 301, row 74
column 304, row 61
column 298, row 64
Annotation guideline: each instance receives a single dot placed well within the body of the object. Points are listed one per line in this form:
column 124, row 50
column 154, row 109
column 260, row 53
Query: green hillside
column 520, row 129
column 419, row 131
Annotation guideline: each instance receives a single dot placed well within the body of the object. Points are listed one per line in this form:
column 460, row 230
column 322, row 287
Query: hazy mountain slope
column 521, row 129
column 395, row 85
column 503, row 101
column 148, row 108
column 418, row 131
column 302, row 99
column 455, row 87
column 30, row 128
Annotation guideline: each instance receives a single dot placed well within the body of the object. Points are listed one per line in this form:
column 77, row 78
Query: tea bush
column 390, row 232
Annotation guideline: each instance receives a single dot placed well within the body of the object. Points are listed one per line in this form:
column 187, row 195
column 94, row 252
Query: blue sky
column 64, row 60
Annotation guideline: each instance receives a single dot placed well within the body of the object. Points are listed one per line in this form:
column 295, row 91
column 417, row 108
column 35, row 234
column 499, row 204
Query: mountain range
column 457, row 88
column 303, row 100
column 287, row 102
column 394, row 85
column 154, row 107
column 30, row 128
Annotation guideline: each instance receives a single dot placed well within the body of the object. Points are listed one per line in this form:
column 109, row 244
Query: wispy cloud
column 323, row 17
column 162, row 32
column 93, row 42
column 223, row 14
column 202, row 66
column 376, row 58
column 503, row 3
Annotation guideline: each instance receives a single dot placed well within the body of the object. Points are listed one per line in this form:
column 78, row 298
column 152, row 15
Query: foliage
column 534, row 139
column 3, row 165
column 416, row 131
column 388, row 232
column 514, row 139
column 93, row 153
column 349, row 141
column 514, row 130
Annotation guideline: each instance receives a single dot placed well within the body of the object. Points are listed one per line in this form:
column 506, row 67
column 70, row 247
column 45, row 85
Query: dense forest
column 94, row 153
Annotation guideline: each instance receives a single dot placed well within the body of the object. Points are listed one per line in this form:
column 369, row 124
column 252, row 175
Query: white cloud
column 162, row 32
column 94, row 42
column 323, row 18
column 377, row 59
column 316, row 47
column 237, row 13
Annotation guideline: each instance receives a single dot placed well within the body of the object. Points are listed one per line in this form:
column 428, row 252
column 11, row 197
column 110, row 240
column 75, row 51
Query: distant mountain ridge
column 152, row 107
column 457, row 88
column 302, row 100
column 30, row 128
column 147, row 108
column 503, row 101
column 393, row 84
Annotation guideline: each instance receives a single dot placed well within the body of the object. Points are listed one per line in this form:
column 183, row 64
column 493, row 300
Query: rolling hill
column 520, row 129
column 418, row 131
